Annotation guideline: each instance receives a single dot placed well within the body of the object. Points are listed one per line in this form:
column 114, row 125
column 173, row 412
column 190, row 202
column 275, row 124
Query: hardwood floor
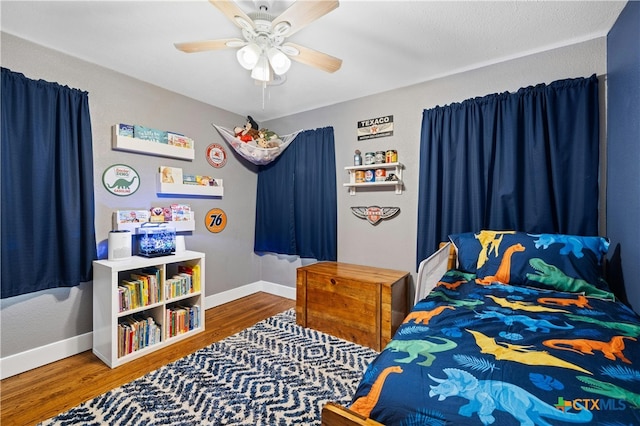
column 41, row 393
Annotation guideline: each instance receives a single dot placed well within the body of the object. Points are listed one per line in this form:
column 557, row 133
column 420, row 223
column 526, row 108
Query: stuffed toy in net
column 259, row 146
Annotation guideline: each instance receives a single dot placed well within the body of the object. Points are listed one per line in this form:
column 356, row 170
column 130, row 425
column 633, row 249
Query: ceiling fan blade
column 231, row 10
column 313, row 58
column 302, row 13
column 204, row 45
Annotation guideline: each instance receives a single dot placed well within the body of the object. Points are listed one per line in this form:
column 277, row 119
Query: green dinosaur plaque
column 121, row 180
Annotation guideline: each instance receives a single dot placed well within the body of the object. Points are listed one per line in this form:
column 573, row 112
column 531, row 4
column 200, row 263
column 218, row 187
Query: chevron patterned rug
column 274, row 373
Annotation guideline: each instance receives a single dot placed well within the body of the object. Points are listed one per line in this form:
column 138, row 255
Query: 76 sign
column 215, row 220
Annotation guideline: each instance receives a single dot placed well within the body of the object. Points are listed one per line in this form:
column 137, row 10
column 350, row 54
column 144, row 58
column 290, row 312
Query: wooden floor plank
column 41, row 393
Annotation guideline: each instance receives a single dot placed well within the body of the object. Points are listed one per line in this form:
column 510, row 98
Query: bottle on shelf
column 357, row 158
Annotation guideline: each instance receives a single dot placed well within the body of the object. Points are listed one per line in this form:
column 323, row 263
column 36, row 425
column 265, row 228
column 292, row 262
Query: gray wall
column 623, row 194
column 35, row 320
column 392, row 243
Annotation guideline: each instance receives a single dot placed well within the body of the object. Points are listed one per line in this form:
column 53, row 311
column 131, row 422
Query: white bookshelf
column 107, row 275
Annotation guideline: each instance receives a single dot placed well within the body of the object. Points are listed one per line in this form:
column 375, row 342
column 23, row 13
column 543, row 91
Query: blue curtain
column 525, row 161
column 296, row 206
column 48, row 233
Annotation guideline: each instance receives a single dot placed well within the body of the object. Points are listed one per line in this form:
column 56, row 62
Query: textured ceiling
column 384, row 45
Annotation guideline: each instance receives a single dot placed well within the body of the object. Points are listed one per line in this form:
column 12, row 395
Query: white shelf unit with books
column 179, row 189
column 141, row 146
column 162, row 318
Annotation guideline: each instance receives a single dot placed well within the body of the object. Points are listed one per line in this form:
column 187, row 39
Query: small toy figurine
column 267, row 139
column 391, row 177
column 249, row 132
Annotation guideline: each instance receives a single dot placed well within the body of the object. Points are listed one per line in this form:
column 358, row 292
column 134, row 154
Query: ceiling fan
column 263, row 49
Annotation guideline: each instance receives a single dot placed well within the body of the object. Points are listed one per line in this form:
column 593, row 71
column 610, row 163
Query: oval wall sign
column 216, row 155
column 121, row 180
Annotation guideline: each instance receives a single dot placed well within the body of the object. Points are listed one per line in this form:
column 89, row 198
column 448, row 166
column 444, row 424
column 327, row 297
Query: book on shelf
column 137, row 332
column 199, row 180
column 194, row 271
column 180, row 212
column 160, row 214
column 129, row 300
column 182, row 319
column 142, row 282
column 140, row 289
column 170, row 174
column 125, row 130
column 181, row 141
column 132, row 216
column 178, row 285
column 154, row 286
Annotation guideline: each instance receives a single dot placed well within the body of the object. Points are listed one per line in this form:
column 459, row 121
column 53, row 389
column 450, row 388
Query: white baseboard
column 37, row 357
column 246, row 290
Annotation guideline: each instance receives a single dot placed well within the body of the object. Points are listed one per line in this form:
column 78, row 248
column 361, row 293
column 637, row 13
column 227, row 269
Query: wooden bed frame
column 337, row 415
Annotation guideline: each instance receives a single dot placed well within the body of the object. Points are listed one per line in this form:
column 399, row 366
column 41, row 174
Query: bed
column 518, row 329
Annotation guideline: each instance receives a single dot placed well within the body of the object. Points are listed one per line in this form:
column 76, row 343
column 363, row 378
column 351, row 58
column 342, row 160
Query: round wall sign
column 216, row 155
column 215, row 220
column 121, row 180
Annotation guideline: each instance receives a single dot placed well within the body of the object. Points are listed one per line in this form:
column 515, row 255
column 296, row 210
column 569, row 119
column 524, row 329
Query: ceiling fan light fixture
column 262, row 49
column 262, row 70
column 249, row 56
column 278, row 60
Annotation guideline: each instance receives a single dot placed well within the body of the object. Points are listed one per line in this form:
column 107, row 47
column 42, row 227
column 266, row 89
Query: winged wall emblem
column 374, row 214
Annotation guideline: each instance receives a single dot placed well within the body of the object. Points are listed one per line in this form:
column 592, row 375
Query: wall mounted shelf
column 141, row 146
column 179, row 225
column 179, row 189
column 395, row 167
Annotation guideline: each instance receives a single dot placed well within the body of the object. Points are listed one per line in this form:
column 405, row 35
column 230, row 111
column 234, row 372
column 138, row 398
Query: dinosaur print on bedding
column 495, row 354
column 486, row 396
column 548, row 261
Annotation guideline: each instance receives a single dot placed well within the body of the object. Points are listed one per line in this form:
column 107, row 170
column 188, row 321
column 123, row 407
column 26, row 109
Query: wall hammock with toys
column 259, row 146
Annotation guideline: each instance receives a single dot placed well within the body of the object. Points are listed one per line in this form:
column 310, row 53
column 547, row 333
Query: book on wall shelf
column 149, row 141
column 191, row 185
column 156, row 214
column 171, row 174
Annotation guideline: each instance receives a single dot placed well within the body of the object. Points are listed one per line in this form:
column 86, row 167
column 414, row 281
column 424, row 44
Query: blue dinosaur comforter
column 471, row 354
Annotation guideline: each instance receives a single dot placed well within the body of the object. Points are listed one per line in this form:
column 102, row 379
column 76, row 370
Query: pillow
column 569, row 263
column 467, row 250
column 471, row 248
